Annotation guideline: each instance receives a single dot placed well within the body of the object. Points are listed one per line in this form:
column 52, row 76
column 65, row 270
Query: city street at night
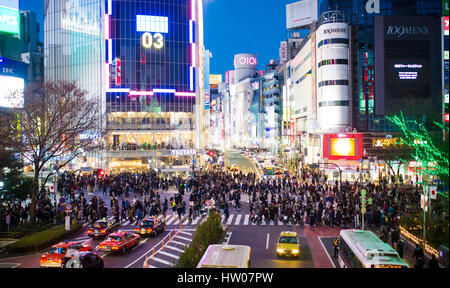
column 272, row 135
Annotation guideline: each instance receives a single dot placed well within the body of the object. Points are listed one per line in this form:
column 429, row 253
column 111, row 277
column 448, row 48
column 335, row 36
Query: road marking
column 238, row 219
column 223, row 219
column 320, row 240
column 230, row 218
column 271, row 223
column 187, row 233
column 186, row 221
column 183, row 238
column 16, row 264
column 169, row 255
column 126, row 223
column 246, row 218
column 280, row 223
column 229, row 237
column 110, row 218
column 171, row 220
column 82, row 238
column 161, row 261
column 196, row 220
column 174, row 248
column 179, row 243
column 176, row 222
column 267, row 242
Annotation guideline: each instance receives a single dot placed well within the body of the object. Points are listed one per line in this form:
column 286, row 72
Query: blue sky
column 230, row 27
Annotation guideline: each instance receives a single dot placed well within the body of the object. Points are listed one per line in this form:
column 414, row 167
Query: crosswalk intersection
column 233, row 220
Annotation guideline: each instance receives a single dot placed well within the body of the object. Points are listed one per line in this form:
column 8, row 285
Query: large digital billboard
column 343, row 146
column 9, row 17
column 12, row 81
column 151, row 48
column 301, row 13
column 407, row 53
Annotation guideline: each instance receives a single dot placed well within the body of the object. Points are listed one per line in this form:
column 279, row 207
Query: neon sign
column 248, row 61
column 9, row 20
column 147, row 40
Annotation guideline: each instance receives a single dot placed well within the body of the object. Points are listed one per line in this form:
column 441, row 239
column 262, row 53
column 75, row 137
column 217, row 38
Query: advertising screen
column 343, row 146
column 9, row 17
column 411, row 68
column 11, row 92
column 154, row 45
column 301, row 13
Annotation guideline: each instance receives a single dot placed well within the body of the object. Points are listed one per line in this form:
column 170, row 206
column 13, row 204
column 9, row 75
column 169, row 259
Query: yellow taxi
column 234, row 168
column 288, row 244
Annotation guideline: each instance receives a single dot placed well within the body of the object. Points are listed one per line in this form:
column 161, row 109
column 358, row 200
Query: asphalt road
column 163, row 250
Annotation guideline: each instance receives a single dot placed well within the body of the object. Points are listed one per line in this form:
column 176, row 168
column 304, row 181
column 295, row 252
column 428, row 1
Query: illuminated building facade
column 140, row 58
column 151, row 78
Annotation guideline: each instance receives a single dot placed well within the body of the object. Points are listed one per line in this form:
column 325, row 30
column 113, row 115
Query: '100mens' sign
column 401, row 31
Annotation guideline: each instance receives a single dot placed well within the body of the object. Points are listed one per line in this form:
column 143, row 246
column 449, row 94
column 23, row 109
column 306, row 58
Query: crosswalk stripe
column 169, row 254
column 246, row 218
column 126, row 223
column 171, row 220
column 187, row 233
column 110, row 218
column 177, row 221
column 280, row 223
column 161, row 261
column 183, row 238
column 186, row 221
column 223, row 219
column 230, row 218
column 238, row 219
column 271, row 223
column 174, row 248
column 179, row 243
column 196, row 220
column 159, row 217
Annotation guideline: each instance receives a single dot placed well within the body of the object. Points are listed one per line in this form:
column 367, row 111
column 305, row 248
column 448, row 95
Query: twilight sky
column 230, row 27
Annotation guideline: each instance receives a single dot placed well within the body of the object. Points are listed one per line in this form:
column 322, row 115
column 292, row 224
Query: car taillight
column 90, row 231
column 136, row 229
column 103, row 231
column 59, row 260
column 149, row 229
column 115, row 248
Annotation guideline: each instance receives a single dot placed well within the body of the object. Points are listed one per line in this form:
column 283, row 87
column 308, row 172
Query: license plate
column 96, row 231
column 107, row 248
column 96, row 234
column 143, row 230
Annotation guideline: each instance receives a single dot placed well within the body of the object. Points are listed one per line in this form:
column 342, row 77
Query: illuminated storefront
column 150, row 76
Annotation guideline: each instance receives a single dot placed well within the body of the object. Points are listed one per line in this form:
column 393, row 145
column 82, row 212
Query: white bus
column 226, row 256
column 363, row 249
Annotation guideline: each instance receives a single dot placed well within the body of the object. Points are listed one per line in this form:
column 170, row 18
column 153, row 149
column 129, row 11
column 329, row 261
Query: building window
column 333, row 103
column 333, row 82
column 332, row 41
column 333, row 61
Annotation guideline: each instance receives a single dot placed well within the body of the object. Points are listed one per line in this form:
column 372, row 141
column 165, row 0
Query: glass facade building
column 141, row 59
column 363, row 51
column 74, row 49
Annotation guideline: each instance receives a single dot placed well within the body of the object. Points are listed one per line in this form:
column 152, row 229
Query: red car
column 56, row 254
column 119, row 241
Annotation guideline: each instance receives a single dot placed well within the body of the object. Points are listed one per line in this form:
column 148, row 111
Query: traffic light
column 101, row 173
column 211, row 153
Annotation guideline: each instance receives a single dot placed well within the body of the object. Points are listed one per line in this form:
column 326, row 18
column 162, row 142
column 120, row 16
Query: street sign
column 208, row 204
column 68, row 199
column 363, row 210
column 62, row 201
column 62, row 208
column 68, row 207
column 363, row 192
column 67, row 223
column 432, row 192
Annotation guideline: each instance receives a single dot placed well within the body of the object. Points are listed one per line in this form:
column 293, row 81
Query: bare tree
column 58, row 121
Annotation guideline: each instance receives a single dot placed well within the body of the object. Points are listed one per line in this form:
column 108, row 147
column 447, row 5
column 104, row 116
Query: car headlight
column 280, row 250
column 295, row 251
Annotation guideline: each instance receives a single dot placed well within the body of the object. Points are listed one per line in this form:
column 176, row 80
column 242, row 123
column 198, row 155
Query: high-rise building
column 21, row 54
column 142, row 59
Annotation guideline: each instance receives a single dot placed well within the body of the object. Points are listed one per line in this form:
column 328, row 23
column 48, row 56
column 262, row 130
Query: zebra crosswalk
column 232, row 220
